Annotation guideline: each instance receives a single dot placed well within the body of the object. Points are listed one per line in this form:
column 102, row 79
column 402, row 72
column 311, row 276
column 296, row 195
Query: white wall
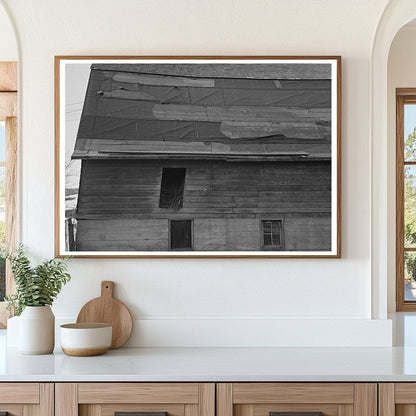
column 8, row 47
column 206, row 301
column 401, row 74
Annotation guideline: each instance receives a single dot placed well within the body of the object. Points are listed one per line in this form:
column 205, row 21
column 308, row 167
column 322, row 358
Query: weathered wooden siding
column 122, row 235
column 210, row 234
column 307, row 233
column 118, row 205
column 131, row 189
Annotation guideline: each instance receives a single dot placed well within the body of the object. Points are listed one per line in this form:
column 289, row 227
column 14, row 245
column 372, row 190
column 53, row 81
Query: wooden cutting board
column 108, row 310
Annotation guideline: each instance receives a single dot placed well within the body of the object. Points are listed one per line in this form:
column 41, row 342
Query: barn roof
column 209, row 111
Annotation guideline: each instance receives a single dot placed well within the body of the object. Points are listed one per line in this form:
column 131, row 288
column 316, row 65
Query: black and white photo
column 198, row 157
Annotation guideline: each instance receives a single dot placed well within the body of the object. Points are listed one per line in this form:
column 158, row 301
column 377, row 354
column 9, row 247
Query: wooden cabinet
column 27, row 399
column 262, row 399
column 106, row 399
column 208, row 399
column 397, row 399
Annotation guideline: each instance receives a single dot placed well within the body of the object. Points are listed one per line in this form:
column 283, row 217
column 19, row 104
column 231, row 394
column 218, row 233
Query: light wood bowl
column 84, row 340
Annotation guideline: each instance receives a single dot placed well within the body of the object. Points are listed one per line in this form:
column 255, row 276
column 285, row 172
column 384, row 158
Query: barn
column 204, row 157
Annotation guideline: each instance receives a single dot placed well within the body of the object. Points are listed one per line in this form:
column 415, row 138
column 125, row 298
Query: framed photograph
column 198, row 156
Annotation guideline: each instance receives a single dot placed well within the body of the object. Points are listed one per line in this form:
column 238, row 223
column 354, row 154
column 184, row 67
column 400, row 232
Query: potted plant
column 36, row 289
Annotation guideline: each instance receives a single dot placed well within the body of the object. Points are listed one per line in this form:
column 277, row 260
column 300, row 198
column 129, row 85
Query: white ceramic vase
column 37, row 330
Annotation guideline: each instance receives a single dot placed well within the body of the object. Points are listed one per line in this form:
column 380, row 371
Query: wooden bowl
column 84, row 340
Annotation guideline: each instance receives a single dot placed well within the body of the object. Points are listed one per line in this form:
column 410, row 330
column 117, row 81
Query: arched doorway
column 396, row 15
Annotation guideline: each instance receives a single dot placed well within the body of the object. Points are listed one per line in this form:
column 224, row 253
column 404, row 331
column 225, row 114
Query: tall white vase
column 37, row 330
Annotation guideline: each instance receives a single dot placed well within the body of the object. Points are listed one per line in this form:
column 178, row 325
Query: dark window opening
column 172, row 187
column 272, row 234
column 180, row 234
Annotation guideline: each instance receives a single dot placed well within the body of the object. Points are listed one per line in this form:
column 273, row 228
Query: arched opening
column 401, row 124
column 396, row 16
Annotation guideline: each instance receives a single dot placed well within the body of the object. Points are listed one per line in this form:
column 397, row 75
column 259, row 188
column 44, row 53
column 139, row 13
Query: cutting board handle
column 107, row 289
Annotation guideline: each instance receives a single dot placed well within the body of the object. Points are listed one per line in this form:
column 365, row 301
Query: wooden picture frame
column 196, row 156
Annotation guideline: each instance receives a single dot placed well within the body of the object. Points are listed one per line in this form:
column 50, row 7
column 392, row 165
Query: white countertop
column 221, row 364
column 215, row 364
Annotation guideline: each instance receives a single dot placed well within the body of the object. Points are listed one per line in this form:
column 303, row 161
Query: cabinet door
column 297, row 399
column 141, row 399
column 26, row 399
column 397, row 399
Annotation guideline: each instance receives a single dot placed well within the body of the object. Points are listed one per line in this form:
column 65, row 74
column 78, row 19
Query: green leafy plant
column 35, row 285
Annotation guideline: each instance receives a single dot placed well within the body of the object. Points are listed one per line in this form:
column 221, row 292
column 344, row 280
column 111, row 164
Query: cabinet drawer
column 145, row 399
column 19, row 393
column 21, row 399
column 296, row 399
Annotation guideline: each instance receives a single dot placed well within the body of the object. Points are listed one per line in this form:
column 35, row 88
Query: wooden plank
column 245, row 410
column 147, row 146
column 207, row 399
column 114, row 108
column 219, row 96
column 129, row 95
column 405, row 410
column 319, row 100
column 195, row 205
column 191, row 410
column 31, row 410
column 201, row 212
column 341, row 393
column 249, row 83
column 47, row 399
column 222, row 148
column 240, row 113
column 227, row 70
column 244, row 130
column 8, row 76
column 171, row 81
column 386, row 399
column 305, row 84
column 8, row 105
column 345, row 410
column 410, row 92
column 66, row 399
column 19, row 393
column 224, row 399
column 224, row 83
column 405, row 393
column 91, row 410
column 137, row 393
column 108, row 154
column 119, row 127
column 365, row 403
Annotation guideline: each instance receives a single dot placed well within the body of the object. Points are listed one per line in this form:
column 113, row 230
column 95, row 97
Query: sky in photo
column 409, row 119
